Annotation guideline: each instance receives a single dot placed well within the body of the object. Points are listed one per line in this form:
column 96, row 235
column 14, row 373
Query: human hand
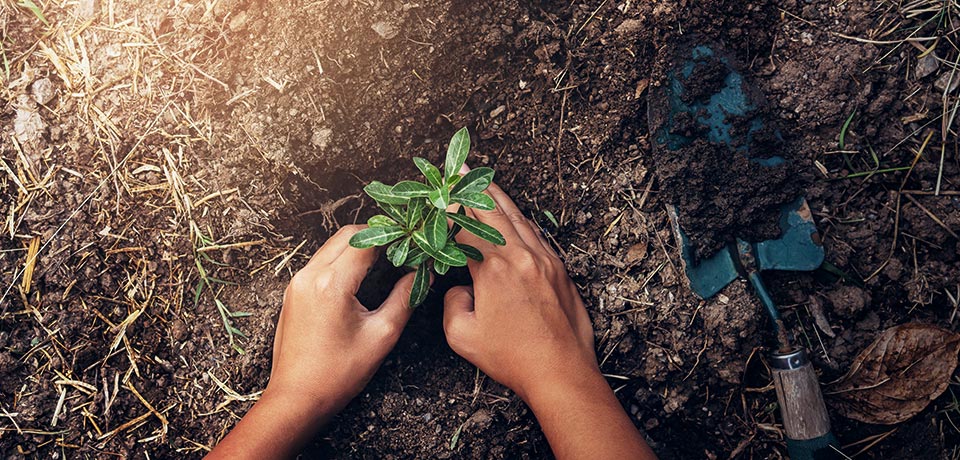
column 326, row 349
column 328, row 345
column 523, row 322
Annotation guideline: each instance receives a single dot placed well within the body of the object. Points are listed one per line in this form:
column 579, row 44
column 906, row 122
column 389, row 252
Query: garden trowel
column 798, row 247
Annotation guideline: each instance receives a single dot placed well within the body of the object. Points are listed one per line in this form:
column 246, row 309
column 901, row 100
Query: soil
column 721, row 190
column 256, row 124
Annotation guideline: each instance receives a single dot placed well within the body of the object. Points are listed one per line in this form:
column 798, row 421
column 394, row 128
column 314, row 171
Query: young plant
column 414, row 223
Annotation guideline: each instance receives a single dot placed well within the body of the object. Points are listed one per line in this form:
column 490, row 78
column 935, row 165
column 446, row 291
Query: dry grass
column 120, row 215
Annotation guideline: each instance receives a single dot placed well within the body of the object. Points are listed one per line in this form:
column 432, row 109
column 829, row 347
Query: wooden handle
column 798, row 391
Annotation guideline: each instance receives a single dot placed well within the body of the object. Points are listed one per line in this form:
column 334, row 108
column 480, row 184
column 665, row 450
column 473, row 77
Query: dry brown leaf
column 637, row 253
column 895, row 377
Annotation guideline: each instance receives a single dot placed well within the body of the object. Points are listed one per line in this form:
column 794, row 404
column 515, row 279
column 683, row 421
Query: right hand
column 523, row 322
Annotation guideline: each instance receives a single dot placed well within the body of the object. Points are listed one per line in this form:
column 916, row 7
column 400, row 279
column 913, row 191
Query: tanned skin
column 522, row 322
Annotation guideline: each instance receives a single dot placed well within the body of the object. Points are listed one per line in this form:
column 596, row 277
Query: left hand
column 326, row 349
column 328, row 345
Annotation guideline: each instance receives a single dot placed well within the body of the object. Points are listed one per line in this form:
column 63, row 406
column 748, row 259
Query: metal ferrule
column 789, row 361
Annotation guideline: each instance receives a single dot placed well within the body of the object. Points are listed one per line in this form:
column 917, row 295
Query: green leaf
column 381, row 221
column 475, row 200
column 552, row 218
column 431, row 172
column 392, row 249
column 475, row 181
column 417, row 256
column 400, row 250
column 36, row 10
column 415, row 212
column 440, row 198
column 479, row 229
column 843, row 131
column 377, row 236
column 471, row 252
column 198, row 291
column 421, row 286
column 455, row 230
column 451, row 255
column 457, row 152
column 454, row 180
column 237, row 332
column 440, row 267
column 421, row 240
column 411, row 189
column 435, row 231
column 395, row 212
column 383, row 193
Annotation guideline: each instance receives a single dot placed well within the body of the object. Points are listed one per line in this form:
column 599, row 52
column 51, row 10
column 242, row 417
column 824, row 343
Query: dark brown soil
column 721, row 191
column 554, row 95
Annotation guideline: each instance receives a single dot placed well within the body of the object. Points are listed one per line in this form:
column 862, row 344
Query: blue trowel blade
column 798, row 248
column 707, row 276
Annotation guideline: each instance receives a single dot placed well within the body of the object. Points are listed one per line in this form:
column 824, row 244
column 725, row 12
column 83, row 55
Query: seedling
column 415, row 219
column 207, row 282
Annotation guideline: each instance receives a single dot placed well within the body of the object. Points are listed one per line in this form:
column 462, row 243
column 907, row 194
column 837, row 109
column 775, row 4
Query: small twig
column 163, row 420
column 697, row 363
column 932, row 216
column 592, row 15
column 242, row 244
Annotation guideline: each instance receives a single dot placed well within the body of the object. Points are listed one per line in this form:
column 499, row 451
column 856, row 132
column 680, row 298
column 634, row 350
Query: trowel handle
column 804, row 413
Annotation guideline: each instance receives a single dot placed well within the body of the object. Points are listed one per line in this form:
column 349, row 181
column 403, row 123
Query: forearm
column 582, row 418
column 278, row 426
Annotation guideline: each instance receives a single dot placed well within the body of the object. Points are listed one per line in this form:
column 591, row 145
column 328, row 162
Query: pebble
column 497, row 111
column 630, row 28
column 944, row 80
column 386, row 30
column 178, row 330
column 321, row 138
column 927, row 65
column 27, row 125
column 479, row 421
column 238, row 21
column 43, row 91
column 88, row 9
column 651, row 424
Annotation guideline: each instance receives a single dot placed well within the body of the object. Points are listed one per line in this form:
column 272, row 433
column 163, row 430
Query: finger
column 543, row 241
column 465, row 237
column 277, row 340
column 396, row 311
column 335, row 245
column 516, row 218
column 352, row 266
column 496, row 218
column 458, row 311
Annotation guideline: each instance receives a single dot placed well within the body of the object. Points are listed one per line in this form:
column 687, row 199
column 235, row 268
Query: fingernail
column 464, row 169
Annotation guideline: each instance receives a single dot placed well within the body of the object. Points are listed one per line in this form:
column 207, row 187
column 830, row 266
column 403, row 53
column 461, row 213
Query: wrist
column 582, row 418
column 303, row 404
column 567, row 383
column 278, row 426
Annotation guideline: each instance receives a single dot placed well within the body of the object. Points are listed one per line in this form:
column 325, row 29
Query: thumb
column 457, row 311
column 396, row 311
